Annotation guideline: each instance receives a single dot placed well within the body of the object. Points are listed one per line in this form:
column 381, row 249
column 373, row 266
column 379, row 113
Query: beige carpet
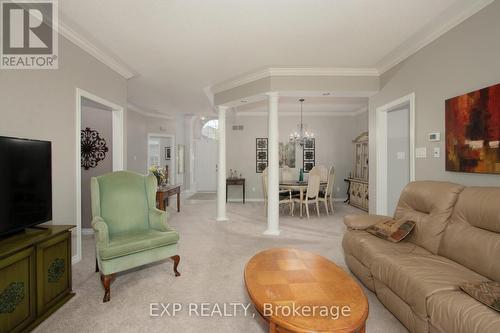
column 213, row 255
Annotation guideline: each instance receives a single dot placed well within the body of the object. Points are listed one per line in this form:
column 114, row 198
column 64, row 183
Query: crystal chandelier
column 301, row 136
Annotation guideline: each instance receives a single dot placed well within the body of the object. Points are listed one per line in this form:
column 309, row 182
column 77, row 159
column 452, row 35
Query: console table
column 236, row 181
column 163, row 192
column 35, row 271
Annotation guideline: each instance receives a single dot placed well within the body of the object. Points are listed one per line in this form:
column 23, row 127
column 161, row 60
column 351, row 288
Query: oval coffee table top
column 282, row 280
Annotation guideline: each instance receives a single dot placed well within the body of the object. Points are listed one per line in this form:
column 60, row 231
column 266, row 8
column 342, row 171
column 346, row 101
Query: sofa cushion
column 391, row 230
column 457, row 312
column 429, row 204
column 472, row 238
column 366, row 247
column 415, row 278
column 132, row 242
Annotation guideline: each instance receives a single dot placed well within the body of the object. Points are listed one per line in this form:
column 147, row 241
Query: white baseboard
column 240, row 200
column 87, row 231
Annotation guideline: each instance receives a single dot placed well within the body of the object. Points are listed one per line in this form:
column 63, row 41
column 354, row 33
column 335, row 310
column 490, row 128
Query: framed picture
column 261, row 143
column 261, row 152
column 167, row 153
column 262, row 155
column 261, row 166
column 309, row 144
column 473, row 131
column 287, row 154
column 308, row 166
column 309, row 155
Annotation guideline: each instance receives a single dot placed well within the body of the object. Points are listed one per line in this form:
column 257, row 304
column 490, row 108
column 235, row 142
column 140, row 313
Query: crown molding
column 291, row 71
column 297, row 113
column 136, row 109
column 94, row 51
column 402, row 53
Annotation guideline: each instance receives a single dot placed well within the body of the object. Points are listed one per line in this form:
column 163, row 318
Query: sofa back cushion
column 429, row 204
column 123, row 202
column 472, row 238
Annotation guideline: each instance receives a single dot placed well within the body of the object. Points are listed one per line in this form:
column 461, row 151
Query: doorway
column 395, row 124
column 162, row 153
column 85, row 100
column 205, row 152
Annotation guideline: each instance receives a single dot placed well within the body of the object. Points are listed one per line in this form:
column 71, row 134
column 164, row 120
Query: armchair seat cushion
column 132, row 242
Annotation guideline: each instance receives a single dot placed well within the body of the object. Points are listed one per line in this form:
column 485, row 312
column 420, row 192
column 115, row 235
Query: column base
column 270, row 232
column 221, row 218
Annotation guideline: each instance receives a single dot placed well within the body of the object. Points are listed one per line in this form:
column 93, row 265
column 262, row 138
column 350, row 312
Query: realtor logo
column 29, row 34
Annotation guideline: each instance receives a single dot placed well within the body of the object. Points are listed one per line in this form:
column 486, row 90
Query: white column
column 273, row 214
column 221, row 166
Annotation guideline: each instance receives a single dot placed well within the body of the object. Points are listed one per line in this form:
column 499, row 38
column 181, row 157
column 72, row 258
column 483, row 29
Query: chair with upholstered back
column 326, row 196
column 323, row 173
column 289, row 174
column 130, row 231
column 312, row 193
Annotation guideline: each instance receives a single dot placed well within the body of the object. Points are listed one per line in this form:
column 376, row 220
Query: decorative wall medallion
column 56, row 270
column 94, row 148
column 11, row 297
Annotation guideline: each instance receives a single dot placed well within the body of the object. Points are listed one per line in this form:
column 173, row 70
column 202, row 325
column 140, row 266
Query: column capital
column 222, row 107
column 272, row 94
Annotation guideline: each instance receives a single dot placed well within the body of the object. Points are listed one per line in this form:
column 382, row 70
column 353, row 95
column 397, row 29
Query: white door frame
column 381, row 137
column 173, row 154
column 118, row 153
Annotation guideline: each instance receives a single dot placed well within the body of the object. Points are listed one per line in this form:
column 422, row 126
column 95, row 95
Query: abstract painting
column 287, row 154
column 473, row 131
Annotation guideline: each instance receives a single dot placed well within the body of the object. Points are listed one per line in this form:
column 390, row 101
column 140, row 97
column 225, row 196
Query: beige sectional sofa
column 456, row 239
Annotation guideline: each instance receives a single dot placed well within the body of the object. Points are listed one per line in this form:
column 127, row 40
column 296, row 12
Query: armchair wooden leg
column 176, row 260
column 106, row 283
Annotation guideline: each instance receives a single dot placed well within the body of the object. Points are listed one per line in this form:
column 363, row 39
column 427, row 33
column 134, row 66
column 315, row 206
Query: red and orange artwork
column 473, row 131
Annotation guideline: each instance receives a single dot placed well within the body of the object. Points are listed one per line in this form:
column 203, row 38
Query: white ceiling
column 177, row 48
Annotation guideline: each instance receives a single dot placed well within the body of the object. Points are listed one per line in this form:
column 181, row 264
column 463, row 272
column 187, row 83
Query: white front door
column 206, row 165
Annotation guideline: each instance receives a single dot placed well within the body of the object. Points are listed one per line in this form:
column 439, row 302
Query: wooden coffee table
column 279, row 280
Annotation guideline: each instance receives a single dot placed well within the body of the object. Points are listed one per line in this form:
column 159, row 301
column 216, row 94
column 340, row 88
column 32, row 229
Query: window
column 210, row 129
column 154, row 153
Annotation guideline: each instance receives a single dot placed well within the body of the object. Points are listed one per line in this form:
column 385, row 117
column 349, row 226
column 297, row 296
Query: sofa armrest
column 362, row 222
column 101, row 229
column 158, row 220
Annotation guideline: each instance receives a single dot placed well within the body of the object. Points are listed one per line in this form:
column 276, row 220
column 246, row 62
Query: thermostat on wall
column 435, row 136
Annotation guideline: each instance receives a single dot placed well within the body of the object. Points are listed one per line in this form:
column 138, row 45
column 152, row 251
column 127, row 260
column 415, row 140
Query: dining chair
column 285, row 196
column 312, row 192
column 323, row 173
column 326, row 196
column 289, row 174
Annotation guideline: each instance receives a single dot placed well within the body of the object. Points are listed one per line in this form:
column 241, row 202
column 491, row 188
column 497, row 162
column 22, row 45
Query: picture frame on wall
column 261, row 154
column 168, row 152
column 309, row 155
column 261, row 143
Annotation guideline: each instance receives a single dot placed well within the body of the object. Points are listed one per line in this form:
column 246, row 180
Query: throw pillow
column 392, row 230
column 487, row 293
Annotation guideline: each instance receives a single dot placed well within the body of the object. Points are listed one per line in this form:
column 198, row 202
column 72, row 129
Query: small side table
column 236, row 181
column 163, row 192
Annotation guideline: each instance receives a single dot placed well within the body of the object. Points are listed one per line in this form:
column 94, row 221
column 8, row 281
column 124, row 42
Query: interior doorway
column 395, row 124
column 205, row 152
column 162, row 153
column 86, row 100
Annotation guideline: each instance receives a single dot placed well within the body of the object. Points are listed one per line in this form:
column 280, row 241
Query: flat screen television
column 25, row 183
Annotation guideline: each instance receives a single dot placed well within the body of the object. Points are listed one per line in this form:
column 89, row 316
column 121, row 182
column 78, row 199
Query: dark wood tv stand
column 35, row 276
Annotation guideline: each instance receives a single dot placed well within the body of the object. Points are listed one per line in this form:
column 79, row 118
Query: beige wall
column 334, row 135
column 41, row 104
column 464, row 59
column 101, row 121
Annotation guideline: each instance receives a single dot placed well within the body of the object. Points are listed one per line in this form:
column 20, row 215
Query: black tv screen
column 25, row 183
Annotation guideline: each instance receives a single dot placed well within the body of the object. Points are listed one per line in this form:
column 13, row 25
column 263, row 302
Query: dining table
column 300, row 186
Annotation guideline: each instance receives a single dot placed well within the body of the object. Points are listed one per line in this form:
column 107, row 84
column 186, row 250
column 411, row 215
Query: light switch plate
column 401, row 155
column 437, row 152
column 421, row 152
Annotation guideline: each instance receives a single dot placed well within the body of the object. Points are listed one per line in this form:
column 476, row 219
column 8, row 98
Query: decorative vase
column 301, row 175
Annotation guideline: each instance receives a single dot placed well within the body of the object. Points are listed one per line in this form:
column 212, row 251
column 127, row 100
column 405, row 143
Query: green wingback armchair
column 130, row 231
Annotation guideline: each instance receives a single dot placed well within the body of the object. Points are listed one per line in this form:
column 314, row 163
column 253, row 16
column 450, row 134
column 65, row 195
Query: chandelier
column 302, row 136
